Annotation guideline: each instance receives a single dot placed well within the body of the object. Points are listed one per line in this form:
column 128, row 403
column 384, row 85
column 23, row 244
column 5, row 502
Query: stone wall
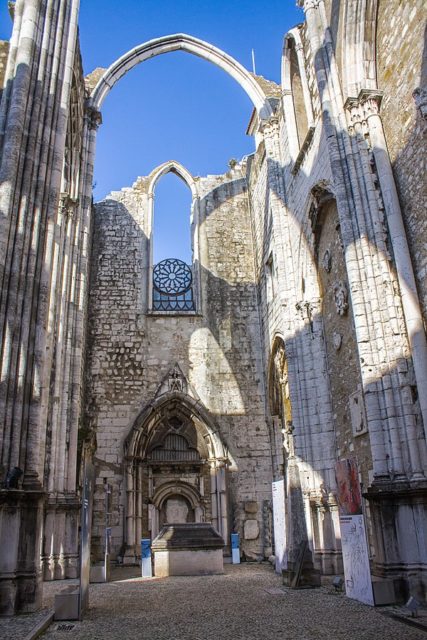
column 217, row 348
column 4, row 52
column 401, row 69
column 352, row 438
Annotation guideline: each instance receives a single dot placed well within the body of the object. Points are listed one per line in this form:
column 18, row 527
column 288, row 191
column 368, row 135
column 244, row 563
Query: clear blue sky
column 176, row 106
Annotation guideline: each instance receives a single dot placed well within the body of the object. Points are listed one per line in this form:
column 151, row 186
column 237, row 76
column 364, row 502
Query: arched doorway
column 176, row 469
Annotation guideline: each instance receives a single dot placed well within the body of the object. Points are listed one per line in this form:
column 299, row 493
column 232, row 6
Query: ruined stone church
column 294, row 339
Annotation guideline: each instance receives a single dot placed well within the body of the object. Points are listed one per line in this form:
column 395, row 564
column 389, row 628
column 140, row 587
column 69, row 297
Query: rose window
column 172, row 286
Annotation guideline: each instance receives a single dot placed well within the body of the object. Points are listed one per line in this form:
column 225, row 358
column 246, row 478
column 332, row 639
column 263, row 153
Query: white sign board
column 278, row 490
column 357, row 574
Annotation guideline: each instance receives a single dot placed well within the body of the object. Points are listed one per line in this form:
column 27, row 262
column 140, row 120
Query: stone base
column 401, row 552
column 300, row 572
column 309, row 578
column 383, row 591
column 67, row 604
column 188, row 550
column 21, row 514
column 188, row 563
column 130, row 557
column 100, row 572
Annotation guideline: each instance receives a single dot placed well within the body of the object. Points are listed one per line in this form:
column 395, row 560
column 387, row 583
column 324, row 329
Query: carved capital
column 308, row 308
column 420, row 99
column 269, row 128
column 361, row 108
column 370, row 101
column 308, row 4
column 67, row 206
column 93, row 117
column 354, row 112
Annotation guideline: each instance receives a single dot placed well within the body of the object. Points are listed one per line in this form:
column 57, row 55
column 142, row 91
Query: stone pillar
column 130, row 555
column 302, row 331
column 33, row 123
column 300, row 568
column 370, row 102
column 21, row 519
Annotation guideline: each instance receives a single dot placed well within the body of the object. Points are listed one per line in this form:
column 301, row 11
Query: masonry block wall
column 217, row 348
column 4, row 52
column 401, row 44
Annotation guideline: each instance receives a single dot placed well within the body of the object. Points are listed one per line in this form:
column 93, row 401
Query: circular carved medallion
column 172, row 276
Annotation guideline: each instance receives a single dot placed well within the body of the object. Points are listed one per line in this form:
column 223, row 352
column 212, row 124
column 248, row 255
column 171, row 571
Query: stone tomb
column 191, row 549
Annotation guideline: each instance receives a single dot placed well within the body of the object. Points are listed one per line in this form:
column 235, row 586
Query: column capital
column 308, row 4
column 420, row 99
column 269, row 127
column 366, row 104
column 93, row 117
column 67, row 205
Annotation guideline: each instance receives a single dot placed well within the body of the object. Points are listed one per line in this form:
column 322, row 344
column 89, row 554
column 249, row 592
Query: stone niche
column 191, row 549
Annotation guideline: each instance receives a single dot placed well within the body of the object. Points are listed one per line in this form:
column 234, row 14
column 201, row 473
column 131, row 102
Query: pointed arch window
column 297, row 102
column 174, row 273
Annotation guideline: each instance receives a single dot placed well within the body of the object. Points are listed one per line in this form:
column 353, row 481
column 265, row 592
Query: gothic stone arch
column 189, row 44
column 175, row 468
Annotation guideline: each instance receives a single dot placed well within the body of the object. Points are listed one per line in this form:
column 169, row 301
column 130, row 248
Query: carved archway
column 173, row 454
column 189, row 44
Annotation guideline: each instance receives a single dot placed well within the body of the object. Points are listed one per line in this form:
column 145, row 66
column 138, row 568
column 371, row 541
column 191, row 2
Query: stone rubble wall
column 401, row 69
column 4, row 52
column 218, row 349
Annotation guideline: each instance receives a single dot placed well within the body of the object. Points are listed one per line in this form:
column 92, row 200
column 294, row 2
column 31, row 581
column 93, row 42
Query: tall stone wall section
column 217, row 349
column 401, row 70
column 4, row 52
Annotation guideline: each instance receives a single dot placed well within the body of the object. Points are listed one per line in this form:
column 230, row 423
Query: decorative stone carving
column 175, row 380
column 327, row 261
column 420, row 98
column 357, row 413
column 341, row 297
column 93, row 117
column 251, row 530
column 337, row 340
column 176, row 510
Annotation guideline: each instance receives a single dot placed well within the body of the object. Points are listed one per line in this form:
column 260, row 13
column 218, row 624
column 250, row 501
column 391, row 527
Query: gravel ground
column 247, row 603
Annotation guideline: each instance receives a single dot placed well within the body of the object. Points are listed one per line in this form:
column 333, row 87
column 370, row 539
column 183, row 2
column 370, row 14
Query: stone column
column 33, row 119
column 370, row 101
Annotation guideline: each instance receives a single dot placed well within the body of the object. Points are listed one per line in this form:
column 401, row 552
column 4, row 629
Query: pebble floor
column 247, row 603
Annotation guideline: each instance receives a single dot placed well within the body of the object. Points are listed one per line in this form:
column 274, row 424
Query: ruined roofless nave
column 294, row 339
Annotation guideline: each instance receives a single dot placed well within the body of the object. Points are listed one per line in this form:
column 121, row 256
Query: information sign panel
column 279, row 523
column 357, row 573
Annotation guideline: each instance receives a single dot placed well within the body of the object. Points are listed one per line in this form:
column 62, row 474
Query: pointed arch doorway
column 175, row 469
